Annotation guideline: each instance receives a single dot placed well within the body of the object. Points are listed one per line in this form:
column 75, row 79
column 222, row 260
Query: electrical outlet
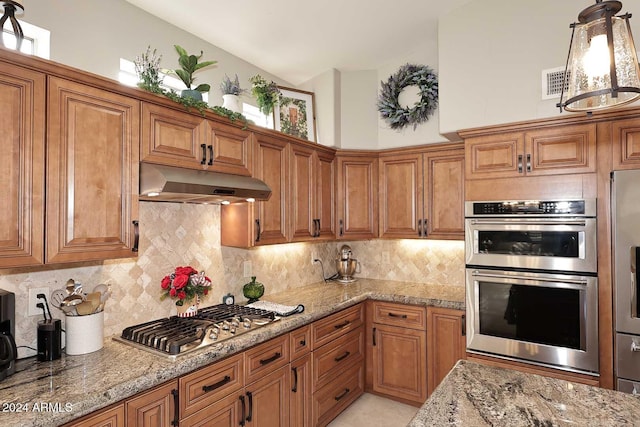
column 247, row 269
column 314, row 257
column 33, row 300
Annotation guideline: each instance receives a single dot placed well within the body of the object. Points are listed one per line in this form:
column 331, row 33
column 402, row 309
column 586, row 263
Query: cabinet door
column 113, row 417
column 268, row 400
column 172, row 137
column 300, row 397
column 92, row 173
column 564, row 150
column 155, row 408
column 357, row 197
column 446, row 342
column 303, row 193
column 230, row 148
column 22, row 120
column 223, row 413
column 400, row 362
column 272, row 168
column 444, row 194
column 401, row 196
column 325, row 195
column 625, row 137
column 494, row 156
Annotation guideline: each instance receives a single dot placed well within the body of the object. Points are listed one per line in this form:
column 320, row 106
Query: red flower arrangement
column 185, row 284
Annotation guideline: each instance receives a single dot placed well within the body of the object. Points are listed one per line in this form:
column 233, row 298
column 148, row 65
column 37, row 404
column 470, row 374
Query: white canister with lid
column 84, row 334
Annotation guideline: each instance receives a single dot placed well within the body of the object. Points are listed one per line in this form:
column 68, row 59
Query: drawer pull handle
column 250, row 397
column 136, row 235
column 635, row 347
column 210, row 162
column 342, row 325
column 303, row 343
column 344, row 356
column 402, row 316
column 176, row 408
column 269, row 360
column 374, row 337
column 204, row 154
column 208, row 388
column 343, row 394
column 295, row 380
column 244, row 410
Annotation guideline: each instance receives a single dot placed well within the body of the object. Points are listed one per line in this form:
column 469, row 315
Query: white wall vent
column 552, row 80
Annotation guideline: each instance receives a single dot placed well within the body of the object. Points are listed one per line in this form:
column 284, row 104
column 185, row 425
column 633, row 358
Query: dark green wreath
column 409, row 75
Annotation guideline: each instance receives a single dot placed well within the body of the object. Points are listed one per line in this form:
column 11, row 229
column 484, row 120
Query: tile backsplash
column 173, row 234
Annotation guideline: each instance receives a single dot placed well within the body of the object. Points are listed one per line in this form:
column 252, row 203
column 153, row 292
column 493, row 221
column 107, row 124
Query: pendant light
column 602, row 66
column 10, row 7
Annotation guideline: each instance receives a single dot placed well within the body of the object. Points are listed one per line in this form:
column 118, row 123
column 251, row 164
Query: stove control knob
column 213, row 335
column 232, row 330
column 246, row 323
column 225, row 325
column 235, row 322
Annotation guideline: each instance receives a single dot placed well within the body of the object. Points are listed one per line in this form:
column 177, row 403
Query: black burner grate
column 170, row 335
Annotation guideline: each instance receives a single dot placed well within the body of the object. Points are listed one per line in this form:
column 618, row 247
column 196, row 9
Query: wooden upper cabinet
column 357, row 196
column 229, row 148
column 401, row 195
column 178, row 138
column 271, row 166
column 422, row 193
column 22, row 120
column 312, row 194
column 444, row 194
column 626, row 144
column 92, row 173
column 546, row 151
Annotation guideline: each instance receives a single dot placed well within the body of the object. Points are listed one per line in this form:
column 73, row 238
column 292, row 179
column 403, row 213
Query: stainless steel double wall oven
column 532, row 290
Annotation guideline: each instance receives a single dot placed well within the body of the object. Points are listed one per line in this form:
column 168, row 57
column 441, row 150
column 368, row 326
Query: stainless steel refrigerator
column 625, row 193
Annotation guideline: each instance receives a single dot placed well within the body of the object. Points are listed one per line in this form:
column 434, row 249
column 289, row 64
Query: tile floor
column 374, row 411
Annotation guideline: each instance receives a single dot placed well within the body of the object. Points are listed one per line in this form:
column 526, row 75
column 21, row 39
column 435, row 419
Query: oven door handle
column 517, row 221
column 476, row 273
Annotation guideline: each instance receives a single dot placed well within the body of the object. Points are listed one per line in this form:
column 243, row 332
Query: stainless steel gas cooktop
column 176, row 336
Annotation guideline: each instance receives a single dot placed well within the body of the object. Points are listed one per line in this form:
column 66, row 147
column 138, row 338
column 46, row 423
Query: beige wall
column 93, row 35
column 492, row 53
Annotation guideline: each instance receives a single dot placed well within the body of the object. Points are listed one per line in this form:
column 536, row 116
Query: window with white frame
column 36, row 40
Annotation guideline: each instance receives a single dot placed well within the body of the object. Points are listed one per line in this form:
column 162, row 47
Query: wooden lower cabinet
column 113, row 417
column 224, row 413
column 335, row 397
column 154, row 408
column 300, row 412
column 446, row 343
column 268, row 400
column 397, row 351
column 400, row 363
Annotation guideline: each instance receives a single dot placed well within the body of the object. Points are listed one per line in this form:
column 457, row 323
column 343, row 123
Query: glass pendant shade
column 592, row 81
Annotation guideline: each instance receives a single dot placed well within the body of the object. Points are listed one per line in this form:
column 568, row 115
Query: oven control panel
column 530, row 207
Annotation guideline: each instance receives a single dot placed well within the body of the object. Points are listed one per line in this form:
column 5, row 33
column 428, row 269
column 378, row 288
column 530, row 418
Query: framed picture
column 295, row 114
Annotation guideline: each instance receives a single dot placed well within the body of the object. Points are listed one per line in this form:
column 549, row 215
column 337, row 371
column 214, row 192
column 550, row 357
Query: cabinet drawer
column 338, row 324
column 113, row 417
column 407, row 316
column 266, row 358
column 332, row 399
column 300, row 342
column 333, row 358
column 205, row 386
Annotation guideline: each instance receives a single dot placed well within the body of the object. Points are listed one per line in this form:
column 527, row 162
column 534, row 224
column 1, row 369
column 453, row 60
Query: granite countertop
column 476, row 395
column 52, row 393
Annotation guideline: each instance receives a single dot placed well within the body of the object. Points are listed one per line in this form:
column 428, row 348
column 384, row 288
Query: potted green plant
column 231, row 92
column 147, row 67
column 266, row 93
column 190, row 65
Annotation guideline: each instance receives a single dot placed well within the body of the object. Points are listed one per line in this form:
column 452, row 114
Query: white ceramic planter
column 232, row 102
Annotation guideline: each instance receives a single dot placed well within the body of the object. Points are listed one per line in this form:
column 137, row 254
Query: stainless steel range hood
column 172, row 184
